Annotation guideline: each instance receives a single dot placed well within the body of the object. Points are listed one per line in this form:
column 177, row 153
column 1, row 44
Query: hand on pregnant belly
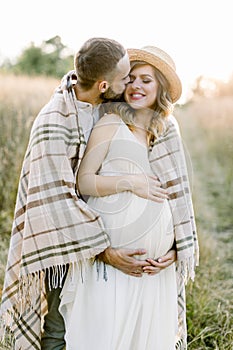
column 148, row 187
column 124, row 260
column 161, row 263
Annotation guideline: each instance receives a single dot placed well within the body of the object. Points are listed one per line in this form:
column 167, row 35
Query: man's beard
column 110, row 95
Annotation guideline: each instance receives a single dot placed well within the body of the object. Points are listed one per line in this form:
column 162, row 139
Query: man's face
column 120, row 81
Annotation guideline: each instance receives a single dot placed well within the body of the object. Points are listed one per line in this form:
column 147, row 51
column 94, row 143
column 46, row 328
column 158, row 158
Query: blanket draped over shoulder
column 169, row 163
column 52, row 226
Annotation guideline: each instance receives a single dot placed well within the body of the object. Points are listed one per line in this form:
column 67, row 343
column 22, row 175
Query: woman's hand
column 161, row 263
column 148, row 187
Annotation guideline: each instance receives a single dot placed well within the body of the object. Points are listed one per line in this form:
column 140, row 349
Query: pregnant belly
column 134, row 222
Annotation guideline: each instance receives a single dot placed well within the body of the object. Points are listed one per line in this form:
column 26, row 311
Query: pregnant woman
column 103, row 308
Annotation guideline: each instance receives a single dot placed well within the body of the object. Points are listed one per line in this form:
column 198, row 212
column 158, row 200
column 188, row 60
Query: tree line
column 53, row 58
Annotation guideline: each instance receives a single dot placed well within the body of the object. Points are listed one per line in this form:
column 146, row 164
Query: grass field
column 206, row 127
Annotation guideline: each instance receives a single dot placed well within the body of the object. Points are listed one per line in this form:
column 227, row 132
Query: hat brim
column 175, row 86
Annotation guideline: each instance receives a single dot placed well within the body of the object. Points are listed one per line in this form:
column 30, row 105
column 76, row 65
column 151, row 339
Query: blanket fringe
column 100, row 264
column 28, row 291
column 56, row 276
column 186, row 269
column 181, row 345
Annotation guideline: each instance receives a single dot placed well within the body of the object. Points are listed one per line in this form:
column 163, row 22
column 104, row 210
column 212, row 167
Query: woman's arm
column 90, row 183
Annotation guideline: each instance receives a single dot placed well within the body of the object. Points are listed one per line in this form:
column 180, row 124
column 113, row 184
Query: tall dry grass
column 207, row 130
column 206, row 127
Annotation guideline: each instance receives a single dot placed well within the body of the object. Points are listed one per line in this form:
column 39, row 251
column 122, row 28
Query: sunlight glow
column 195, row 33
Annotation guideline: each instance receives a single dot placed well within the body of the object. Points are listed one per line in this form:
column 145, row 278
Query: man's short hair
column 97, row 60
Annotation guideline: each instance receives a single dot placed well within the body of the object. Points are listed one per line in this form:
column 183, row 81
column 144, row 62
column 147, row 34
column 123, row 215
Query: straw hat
column 163, row 62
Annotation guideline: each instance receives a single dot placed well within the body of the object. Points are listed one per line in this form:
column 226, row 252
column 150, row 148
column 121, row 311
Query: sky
column 196, row 33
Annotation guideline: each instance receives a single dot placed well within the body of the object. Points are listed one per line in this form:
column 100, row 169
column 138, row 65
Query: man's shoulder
column 56, row 103
column 54, row 112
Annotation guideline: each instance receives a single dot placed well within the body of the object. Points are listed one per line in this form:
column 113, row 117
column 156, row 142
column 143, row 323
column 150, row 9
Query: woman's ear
column 103, row 86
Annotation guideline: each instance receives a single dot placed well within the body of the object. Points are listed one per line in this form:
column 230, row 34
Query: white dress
column 124, row 312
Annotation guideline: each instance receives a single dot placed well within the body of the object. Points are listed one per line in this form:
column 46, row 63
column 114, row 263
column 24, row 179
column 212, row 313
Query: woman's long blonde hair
column 163, row 108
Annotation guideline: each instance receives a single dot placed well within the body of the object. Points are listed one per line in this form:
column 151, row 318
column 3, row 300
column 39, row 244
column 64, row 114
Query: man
column 52, row 226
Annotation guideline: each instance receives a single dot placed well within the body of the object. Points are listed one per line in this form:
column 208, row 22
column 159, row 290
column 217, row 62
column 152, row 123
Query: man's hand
column 161, row 263
column 123, row 259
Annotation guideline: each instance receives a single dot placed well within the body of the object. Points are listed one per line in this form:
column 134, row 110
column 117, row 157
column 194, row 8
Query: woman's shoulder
column 108, row 118
column 109, row 122
column 106, row 127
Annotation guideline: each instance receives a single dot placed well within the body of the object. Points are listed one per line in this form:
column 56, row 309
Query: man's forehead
column 124, row 66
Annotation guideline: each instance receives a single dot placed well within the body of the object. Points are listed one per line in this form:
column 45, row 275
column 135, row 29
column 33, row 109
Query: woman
column 121, row 312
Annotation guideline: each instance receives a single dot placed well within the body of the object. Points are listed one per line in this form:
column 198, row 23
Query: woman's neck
column 142, row 118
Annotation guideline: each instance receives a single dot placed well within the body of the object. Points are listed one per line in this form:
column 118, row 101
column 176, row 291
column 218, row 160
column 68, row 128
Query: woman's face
column 141, row 91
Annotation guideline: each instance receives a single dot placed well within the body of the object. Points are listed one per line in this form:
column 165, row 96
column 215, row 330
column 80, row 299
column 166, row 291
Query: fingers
column 160, row 264
column 160, row 192
column 156, row 192
column 126, row 260
column 170, row 257
column 132, row 252
column 150, row 270
column 149, row 187
column 133, row 270
column 156, row 197
column 136, row 274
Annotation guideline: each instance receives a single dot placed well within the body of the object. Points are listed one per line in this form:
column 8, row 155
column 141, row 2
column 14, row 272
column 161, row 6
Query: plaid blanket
column 168, row 162
column 52, row 226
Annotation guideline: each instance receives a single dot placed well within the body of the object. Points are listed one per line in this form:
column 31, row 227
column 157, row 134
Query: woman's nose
column 136, row 85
